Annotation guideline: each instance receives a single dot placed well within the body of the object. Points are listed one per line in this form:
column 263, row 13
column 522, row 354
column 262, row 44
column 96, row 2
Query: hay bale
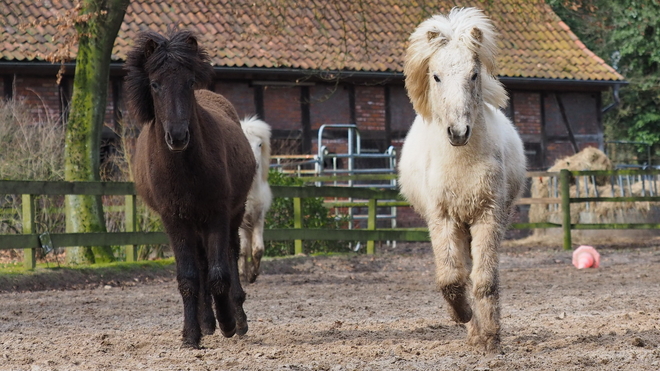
column 589, row 158
column 594, row 212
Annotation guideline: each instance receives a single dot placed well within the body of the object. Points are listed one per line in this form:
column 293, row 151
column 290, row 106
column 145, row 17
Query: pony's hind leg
column 450, row 251
column 244, row 267
column 237, row 295
column 258, row 248
column 484, row 330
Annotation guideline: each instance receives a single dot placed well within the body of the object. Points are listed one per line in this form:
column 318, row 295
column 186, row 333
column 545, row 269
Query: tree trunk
column 87, row 113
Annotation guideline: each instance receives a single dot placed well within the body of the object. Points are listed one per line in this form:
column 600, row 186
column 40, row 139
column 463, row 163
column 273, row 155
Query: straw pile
column 604, row 212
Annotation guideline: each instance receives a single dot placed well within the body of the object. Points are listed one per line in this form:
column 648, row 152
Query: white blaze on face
column 454, row 75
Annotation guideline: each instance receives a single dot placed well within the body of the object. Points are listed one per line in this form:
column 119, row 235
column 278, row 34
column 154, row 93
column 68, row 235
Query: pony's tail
column 254, row 127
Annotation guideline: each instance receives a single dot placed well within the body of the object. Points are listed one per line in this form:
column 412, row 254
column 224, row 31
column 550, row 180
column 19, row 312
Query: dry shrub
column 117, row 167
column 32, row 147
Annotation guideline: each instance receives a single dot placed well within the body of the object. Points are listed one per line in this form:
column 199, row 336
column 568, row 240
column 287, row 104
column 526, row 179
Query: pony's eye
column 436, row 78
column 191, row 83
column 474, row 77
column 154, row 85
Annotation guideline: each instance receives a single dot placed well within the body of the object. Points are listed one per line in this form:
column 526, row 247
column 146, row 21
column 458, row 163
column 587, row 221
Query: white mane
column 471, row 28
column 253, row 127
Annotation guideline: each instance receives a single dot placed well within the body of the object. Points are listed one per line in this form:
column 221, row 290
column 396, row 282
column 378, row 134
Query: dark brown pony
column 194, row 166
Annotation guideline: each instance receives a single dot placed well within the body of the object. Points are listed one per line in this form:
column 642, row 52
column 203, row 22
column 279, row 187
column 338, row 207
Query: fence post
column 371, row 224
column 130, row 219
column 564, row 176
column 297, row 223
column 29, row 254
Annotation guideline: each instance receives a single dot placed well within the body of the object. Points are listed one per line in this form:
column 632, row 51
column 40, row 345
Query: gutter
column 615, row 97
column 116, row 69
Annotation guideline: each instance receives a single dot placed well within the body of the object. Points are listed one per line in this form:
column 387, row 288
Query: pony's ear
column 150, row 47
column 477, row 35
column 192, row 41
column 436, row 38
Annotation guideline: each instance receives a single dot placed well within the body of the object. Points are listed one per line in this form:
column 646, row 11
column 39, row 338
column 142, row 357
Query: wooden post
column 130, row 217
column 371, row 224
column 29, row 254
column 564, row 176
column 297, row 223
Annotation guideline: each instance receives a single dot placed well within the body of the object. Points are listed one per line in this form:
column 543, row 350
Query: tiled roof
column 366, row 35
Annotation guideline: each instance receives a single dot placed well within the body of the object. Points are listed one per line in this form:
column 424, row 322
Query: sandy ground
column 360, row 312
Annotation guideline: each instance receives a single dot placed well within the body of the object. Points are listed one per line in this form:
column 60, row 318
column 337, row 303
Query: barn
column 300, row 65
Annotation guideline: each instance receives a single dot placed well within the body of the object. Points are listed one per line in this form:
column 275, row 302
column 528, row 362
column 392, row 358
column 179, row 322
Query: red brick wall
column 41, row 95
column 282, row 107
column 527, row 112
column 370, row 107
column 557, row 150
column 241, row 95
column 333, row 145
column 406, row 217
column 329, row 104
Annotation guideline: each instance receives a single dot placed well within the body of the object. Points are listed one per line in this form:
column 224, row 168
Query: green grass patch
column 17, row 267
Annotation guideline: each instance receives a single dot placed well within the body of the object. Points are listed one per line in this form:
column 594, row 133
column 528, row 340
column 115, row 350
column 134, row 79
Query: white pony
column 258, row 201
column 462, row 164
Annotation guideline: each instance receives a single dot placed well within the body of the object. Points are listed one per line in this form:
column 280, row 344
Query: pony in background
column 462, row 164
column 258, row 201
column 193, row 166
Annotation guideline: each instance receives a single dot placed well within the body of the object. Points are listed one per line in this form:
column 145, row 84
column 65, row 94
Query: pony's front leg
column 450, row 249
column 258, row 248
column 183, row 240
column 484, row 329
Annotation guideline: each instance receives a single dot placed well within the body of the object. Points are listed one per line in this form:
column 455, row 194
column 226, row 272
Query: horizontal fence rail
column 370, row 198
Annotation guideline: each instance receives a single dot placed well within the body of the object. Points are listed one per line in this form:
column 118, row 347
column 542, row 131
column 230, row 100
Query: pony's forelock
column 432, row 34
column 254, row 127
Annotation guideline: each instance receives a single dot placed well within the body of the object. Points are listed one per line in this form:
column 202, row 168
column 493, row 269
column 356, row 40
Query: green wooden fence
column 373, row 198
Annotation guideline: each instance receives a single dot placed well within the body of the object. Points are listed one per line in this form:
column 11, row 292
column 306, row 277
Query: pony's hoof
column 208, row 330
column 190, row 344
column 492, row 345
column 475, row 340
column 228, row 330
column 241, row 329
column 253, row 277
column 228, row 333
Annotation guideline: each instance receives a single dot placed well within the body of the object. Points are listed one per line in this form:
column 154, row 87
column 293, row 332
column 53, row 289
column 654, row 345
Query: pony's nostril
column 451, row 134
column 168, row 137
column 467, row 131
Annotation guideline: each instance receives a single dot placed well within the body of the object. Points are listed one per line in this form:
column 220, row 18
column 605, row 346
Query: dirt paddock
column 359, row 312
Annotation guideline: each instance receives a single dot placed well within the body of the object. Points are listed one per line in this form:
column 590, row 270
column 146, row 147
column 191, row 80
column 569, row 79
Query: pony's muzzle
column 177, row 140
column 458, row 139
